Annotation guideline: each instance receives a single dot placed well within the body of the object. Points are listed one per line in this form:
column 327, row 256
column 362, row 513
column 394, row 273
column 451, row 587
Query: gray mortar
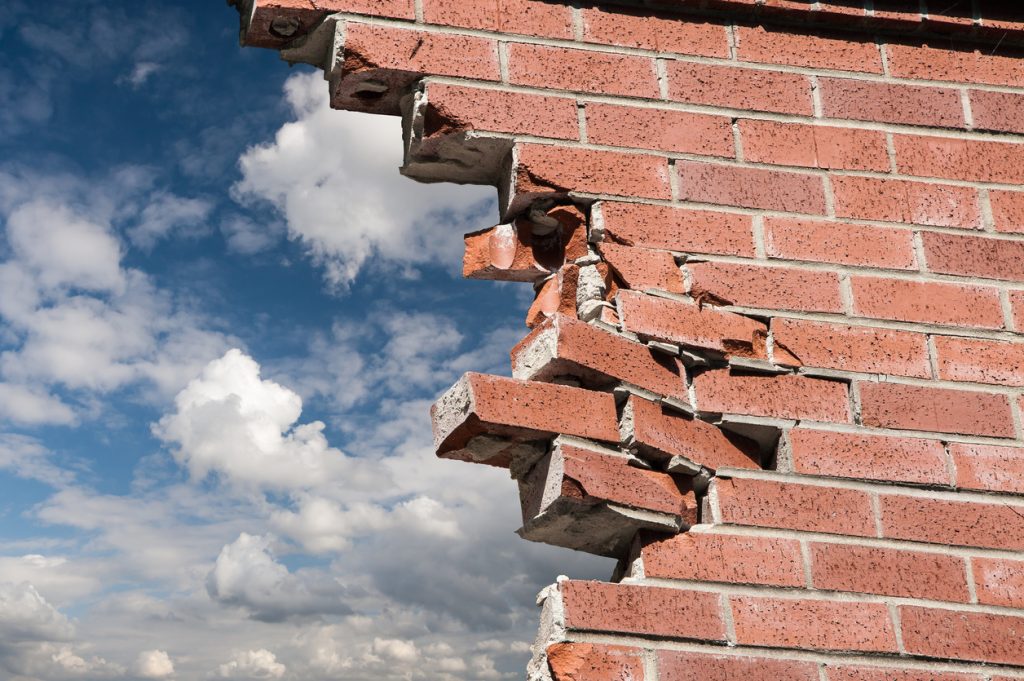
column 552, row 631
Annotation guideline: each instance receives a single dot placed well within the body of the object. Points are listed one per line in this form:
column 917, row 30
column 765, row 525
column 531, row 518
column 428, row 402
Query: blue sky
column 223, row 317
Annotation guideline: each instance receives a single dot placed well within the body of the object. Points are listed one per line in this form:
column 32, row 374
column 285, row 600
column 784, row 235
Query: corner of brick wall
column 775, row 362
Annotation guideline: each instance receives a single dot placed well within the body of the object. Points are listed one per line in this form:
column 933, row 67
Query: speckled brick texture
column 776, row 365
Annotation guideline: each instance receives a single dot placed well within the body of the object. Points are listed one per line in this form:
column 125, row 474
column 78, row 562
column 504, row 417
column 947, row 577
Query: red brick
column 948, row 634
column 1000, row 111
column 660, row 129
column 780, row 288
column 974, row 256
column 660, row 34
column 959, row 159
column 420, row 52
column 582, row 70
column 518, row 410
column 888, row 674
column 557, row 295
column 308, row 14
column 565, row 346
column 813, row 624
column 704, row 557
column 889, row 572
column 659, row 434
column 999, row 581
column 871, row 457
column 528, row 17
column 963, row 523
column 643, row 268
column 751, row 187
column 785, row 46
column 839, row 243
column 650, row 611
column 957, row 66
column 941, row 410
column 786, row 396
column 1017, row 305
column 679, row 229
column 689, row 324
column 739, row 88
column 1007, row 211
column 869, row 198
column 854, row 348
column 807, row 508
column 462, row 108
column 509, row 252
column 545, row 168
column 604, row 477
column 681, row 666
column 813, row 146
column 980, row 361
column 888, row 103
column 587, row 662
column 929, row 302
column 988, row 467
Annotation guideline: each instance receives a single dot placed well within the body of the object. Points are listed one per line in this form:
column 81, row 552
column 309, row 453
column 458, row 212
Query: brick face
column 776, row 366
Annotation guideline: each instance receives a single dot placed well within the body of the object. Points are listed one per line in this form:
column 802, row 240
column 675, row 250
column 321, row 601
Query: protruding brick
column 869, row 457
column 948, row 634
column 974, row 256
column 618, row 26
column 774, row 287
column 643, row 610
column 678, row 229
column 691, row 325
column 518, row 411
column 565, row 346
column 869, row 198
column 789, row 506
column 527, row 17
column 853, row 348
column 840, row 243
column 510, row 252
column 643, row 268
column 683, row 666
column 999, row 581
column 813, row 624
column 557, row 295
column 889, row 572
column 962, row 523
column 587, row 662
column 980, row 361
column 734, row 559
column 660, row 129
column 930, row 302
column 939, row 410
column 659, row 434
column 725, row 185
column 987, row 467
column 786, row 396
column 456, row 108
column 813, row 146
column 889, row 103
column 582, row 70
column 306, row 15
column 581, row 499
column 739, row 88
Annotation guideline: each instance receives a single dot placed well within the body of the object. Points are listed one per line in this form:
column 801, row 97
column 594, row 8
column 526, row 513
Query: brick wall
column 776, row 357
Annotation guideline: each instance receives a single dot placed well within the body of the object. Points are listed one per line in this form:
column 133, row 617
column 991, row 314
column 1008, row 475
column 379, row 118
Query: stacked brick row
column 776, row 358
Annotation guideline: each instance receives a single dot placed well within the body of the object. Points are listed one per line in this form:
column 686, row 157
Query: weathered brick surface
column 812, row 212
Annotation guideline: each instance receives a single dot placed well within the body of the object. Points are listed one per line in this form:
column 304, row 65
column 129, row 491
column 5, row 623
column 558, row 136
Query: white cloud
column 154, row 664
column 255, row 665
column 26, row 616
column 334, row 178
column 30, row 406
column 247, row 575
column 28, row 459
column 166, row 213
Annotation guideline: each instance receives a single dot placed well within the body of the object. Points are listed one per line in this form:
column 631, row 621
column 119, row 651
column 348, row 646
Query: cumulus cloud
column 247, row 575
column 255, row 665
column 154, row 664
column 333, row 176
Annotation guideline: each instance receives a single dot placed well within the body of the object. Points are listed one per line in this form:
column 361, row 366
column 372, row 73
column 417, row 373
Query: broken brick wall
column 776, row 364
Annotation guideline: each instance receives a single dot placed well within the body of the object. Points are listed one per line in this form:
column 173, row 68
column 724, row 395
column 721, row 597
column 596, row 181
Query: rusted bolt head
column 285, row 27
